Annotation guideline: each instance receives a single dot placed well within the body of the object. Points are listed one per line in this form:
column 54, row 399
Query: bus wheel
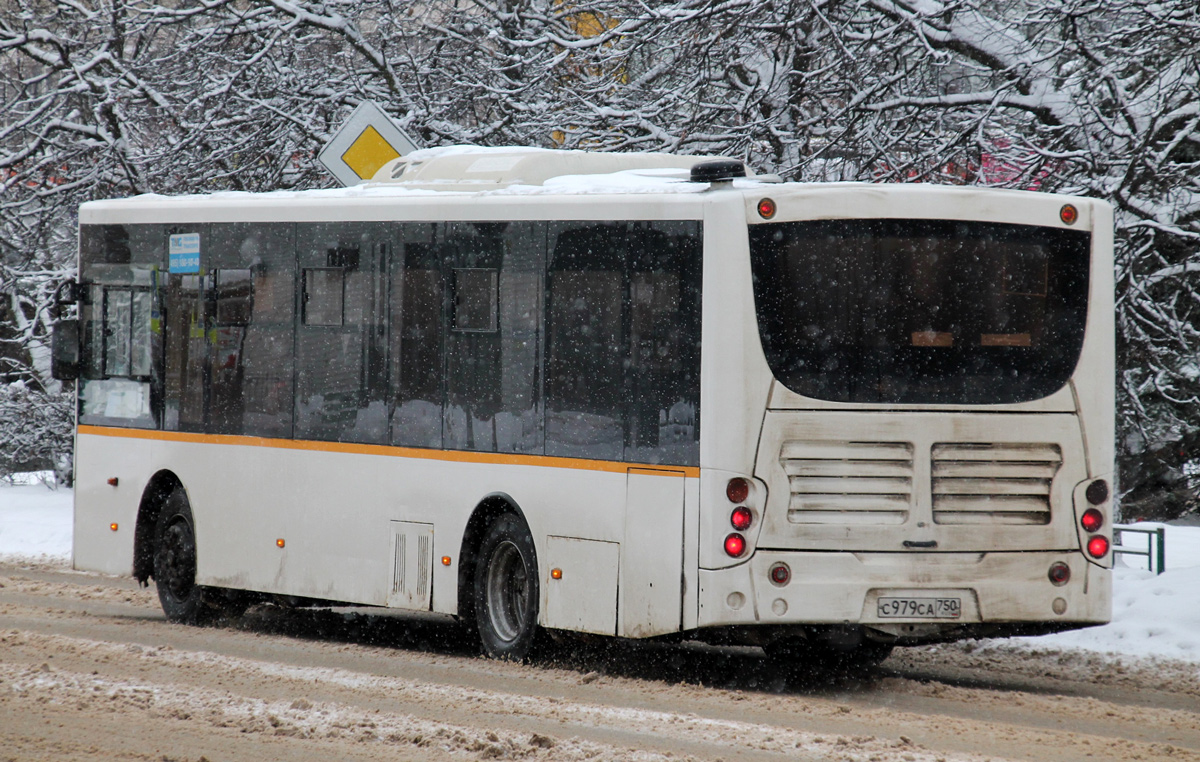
column 175, row 567
column 506, row 590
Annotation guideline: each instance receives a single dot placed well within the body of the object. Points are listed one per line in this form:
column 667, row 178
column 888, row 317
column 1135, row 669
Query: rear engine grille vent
column 981, row 483
column 848, row 482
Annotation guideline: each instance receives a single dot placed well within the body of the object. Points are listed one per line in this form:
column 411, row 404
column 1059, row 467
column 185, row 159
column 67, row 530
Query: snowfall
column 1155, row 616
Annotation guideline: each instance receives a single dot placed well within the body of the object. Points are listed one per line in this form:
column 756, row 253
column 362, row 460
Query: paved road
column 90, row 670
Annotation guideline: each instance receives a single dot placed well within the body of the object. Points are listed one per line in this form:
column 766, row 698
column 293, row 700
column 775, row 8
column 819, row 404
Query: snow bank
column 35, row 522
column 1153, row 615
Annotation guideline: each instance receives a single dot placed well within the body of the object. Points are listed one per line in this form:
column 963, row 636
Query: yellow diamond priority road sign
column 366, row 142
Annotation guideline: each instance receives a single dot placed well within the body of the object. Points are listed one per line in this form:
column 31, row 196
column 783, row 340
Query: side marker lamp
column 1068, row 214
column 280, row 543
column 766, row 208
column 445, row 560
column 113, row 526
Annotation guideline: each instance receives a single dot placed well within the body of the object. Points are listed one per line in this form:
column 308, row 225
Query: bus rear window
column 920, row 311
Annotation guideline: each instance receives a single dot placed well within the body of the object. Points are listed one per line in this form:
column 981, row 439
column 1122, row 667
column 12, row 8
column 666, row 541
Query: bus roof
column 654, row 184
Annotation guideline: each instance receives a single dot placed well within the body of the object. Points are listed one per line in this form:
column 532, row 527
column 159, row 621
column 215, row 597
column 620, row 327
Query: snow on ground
column 35, row 521
column 1153, row 615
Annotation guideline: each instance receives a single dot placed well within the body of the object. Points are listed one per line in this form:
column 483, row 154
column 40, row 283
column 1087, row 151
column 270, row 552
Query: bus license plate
column 920, row 608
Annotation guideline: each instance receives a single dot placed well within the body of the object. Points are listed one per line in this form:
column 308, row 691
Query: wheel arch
column 154, row 496
column 488, row 510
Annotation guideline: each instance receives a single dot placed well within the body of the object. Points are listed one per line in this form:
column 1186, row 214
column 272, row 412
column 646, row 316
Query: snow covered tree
column 106, row 98
column 1100, row 98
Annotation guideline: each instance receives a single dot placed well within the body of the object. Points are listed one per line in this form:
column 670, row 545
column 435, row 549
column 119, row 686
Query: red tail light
column 735, row 545
column 741, row 518
column 737, row 490
column 1097, row 492
column 1092, row 520
column 1097, row 547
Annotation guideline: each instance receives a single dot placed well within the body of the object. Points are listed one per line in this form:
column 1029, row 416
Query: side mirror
column 64, row 350
column 67, row 293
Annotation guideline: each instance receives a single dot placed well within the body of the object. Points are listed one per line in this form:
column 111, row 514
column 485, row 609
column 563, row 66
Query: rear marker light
column 737, row 490
column 1092, row 520
column 113, row 481
column 1068, row 214
column 766, row 208
column 1097, row 492
column 1097, row 547
column 741, row 518
column 780, row 574
column 1060, row 573
column 735, row 545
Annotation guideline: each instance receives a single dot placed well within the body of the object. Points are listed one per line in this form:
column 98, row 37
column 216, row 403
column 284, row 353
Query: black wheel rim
column 508, row 591
column 177, row 555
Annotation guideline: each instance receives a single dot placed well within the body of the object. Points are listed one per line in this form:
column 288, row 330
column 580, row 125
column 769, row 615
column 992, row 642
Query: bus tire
column 182, row 600
column 506, row 590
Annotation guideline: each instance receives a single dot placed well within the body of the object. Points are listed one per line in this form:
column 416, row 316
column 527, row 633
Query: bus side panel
column 98, row 505
column 736, row 380
column 334, row 513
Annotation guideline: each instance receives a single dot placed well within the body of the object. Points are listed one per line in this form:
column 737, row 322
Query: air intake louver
column 848, row 482
column 993, row 483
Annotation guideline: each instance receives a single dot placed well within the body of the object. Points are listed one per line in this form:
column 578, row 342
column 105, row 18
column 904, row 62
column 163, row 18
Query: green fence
column 1155, row 550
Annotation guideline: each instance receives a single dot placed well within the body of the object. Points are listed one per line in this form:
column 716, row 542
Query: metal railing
column 1156, row 549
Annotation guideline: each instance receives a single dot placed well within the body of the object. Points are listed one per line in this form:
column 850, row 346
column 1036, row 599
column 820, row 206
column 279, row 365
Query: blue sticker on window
column 184, row 251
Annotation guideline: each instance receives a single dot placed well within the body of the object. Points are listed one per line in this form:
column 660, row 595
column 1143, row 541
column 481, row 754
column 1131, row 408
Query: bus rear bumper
column 909, row 597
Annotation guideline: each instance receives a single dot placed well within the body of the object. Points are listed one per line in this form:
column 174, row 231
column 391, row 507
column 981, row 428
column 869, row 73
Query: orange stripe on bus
column 456, row 456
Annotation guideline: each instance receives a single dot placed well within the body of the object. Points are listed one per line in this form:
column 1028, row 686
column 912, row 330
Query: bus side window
column 341, row 358
column 585, row 334
column 493, row 339
column 664, row 344
column 324, row 296
column 416, row 344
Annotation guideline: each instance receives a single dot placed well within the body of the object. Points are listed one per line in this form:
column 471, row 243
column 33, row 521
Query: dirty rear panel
column 889, row 481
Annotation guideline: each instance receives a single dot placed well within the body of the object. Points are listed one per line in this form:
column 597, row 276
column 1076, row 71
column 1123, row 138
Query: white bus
column 634, row 395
